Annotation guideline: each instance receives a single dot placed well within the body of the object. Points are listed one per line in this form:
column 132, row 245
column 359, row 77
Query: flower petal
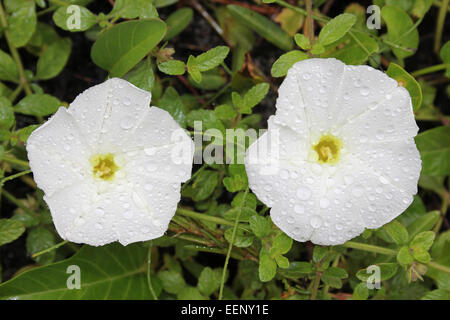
column 157, row 128
column 371, row 194
column 399, row 161
column 108, row 112
column 172, row 163
column 57, row 153
column 290, row 105
column 126, row 106
column 391, row 120
column 319, row 81
column 361, row 88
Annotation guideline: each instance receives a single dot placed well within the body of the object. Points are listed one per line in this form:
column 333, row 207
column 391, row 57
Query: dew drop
column 357, row 191
column 316, row 222
column 299, row 209
column 304, row 193
column 324, row 203
column 126, row 101
column 127, row 123
column 365, row 91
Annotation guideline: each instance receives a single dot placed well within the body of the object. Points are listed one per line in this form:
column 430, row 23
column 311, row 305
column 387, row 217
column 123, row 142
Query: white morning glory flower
column 346, row 157
column 107, row 166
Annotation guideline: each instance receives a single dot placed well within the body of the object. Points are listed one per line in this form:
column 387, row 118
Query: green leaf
column 282, row 261
column 6, row 113
column 421, row 255
column 207, row 117
column 254, row 96
column 286, row 61
column 25, row 132
column 242, row 238
column 10, row 230
column 400, row 31
column 39, row 239
column 317, row 48
column 336, row 28
column 355, row 51
column 336, row 273
column 302, row 41
column 413, row 212
column 397, row 232
column 387, row 271
column 282, row 243
column 423, row 240
column 119, row 268
column 297, row 269
column 333, row 277
column 361, row 292
column 260, row 226
column 424, row 223
column 38, row 105
column 209, row 280
column 438, row 294
column 121, row 47
column 263, row 26
column 142, row 75
column 212, row 58
column 53, row 59
column 235, row 183
column 172, row 67
column 225, row 112
column 192, row 68
column 267, row 266
column 204, row 185
column 74, row 18
column 404, row 79
column 178, row 21
column 210, row 80
column 250, row 200
column 190, row 293
column 172, row 281
column 404, row 256
column 245, row 214
column 8, row 68
column 319, row 253
column 172, row 103
column 22, row 23
column 130, row 9
column 434, row 148
column 445, row 56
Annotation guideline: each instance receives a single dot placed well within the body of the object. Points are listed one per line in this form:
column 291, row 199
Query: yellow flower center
column 103, row 166
column 328, row 149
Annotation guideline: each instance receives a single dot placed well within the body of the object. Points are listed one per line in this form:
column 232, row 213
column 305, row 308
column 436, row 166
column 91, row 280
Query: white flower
column 347, row 158
column 106, row 165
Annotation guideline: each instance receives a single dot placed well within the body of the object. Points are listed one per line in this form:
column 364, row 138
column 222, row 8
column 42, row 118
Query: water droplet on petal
column 304, row 193
column 299, row 209
column 316, row 222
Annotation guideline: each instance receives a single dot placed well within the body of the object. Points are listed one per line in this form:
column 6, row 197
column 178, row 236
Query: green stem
column 369, row 248
column 381, row 250
column 15, row 54
column 56, row 246
column 14, row 176
column 16, row 92
column 149, row 262
column 18, row 203
column 439, row 267
column 440, row 25
column 22, row 163
column 431, row 69
column 230, row 247
column 205, row 217
column 315, row 287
